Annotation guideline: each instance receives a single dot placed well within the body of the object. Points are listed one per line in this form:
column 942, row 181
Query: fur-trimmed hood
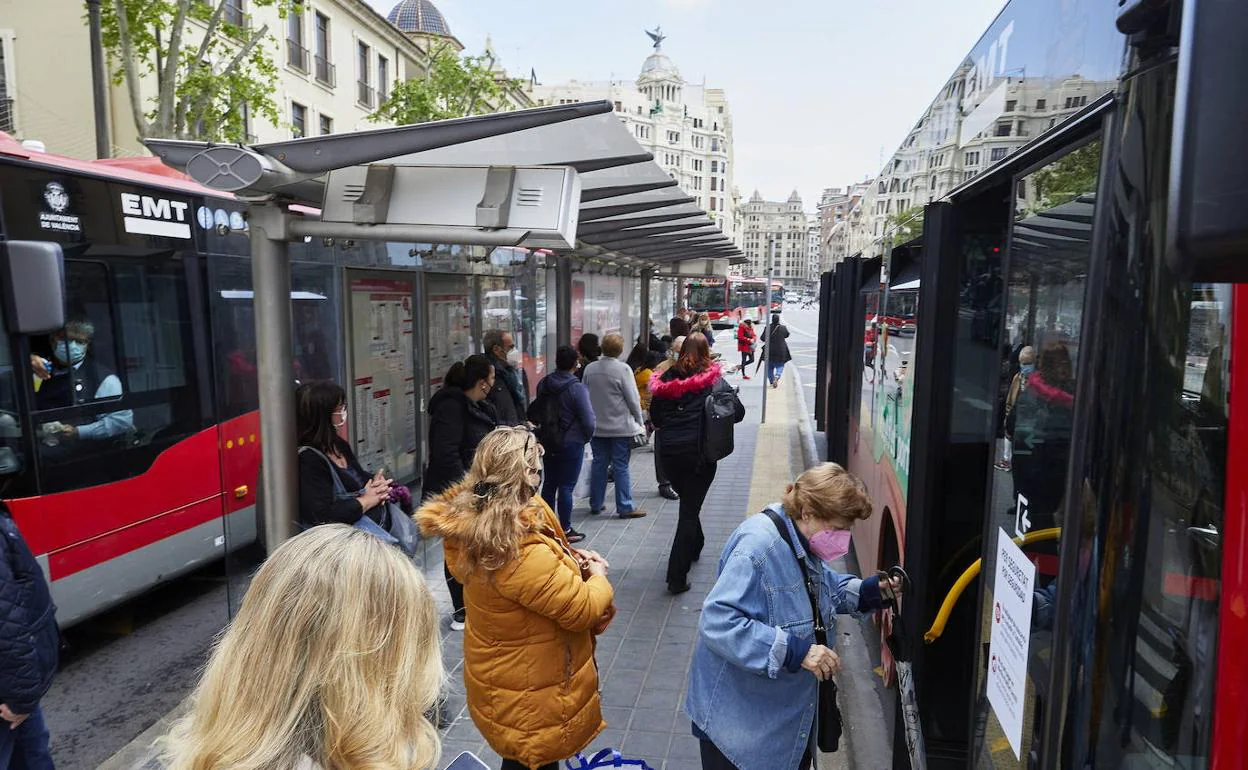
column 441, row 516
column 669, row 385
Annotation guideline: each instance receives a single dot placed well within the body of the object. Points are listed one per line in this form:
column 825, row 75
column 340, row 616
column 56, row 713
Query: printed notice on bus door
column 1011, row 636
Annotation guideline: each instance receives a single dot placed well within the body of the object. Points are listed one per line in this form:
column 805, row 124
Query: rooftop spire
column 657, row 36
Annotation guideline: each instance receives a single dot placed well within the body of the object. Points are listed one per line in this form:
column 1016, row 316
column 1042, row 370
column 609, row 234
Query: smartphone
column 467, row 761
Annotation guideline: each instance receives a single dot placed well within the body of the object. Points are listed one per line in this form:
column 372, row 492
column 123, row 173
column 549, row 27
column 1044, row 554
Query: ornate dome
column 658, row 65
column 419, row 17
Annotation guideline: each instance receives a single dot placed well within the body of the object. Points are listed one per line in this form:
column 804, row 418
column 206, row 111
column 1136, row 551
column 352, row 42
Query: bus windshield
column 706, row 297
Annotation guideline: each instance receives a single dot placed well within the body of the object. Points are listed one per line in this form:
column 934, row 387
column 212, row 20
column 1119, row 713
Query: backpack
column 546, row 412
column 720, row 412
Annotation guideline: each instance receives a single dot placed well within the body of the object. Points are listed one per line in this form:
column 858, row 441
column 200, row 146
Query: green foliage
column 190, row 68
column 1065, row 179
column 453, row 87
column 904, row 226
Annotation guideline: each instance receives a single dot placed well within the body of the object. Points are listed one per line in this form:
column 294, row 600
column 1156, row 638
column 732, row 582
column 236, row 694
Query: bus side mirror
column 32, row 275
column 1207, row 227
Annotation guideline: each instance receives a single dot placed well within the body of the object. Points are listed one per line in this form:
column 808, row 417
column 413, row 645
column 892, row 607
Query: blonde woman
column 331, row 663
column 534, row 606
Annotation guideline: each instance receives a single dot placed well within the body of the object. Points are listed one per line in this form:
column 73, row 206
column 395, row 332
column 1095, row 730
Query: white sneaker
column 457, row 625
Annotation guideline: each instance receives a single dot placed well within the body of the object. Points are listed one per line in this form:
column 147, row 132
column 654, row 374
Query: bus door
column 1049, row 252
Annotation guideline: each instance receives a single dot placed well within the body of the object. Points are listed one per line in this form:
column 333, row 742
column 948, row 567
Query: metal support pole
column 681, row 302
column 771, row 259
column 646, row 275
column 99, row 81
column 270, row 277
column 563, row 300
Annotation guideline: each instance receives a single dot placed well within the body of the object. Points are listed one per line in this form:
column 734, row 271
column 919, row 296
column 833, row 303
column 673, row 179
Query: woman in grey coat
column 617, row 414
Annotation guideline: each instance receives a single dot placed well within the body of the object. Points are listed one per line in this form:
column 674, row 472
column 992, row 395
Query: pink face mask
column 830, row 544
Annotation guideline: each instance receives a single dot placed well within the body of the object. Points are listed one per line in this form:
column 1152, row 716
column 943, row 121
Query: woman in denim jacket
column 756, row 668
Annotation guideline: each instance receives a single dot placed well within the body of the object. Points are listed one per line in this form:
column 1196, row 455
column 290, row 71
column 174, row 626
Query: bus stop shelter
column 570, row 179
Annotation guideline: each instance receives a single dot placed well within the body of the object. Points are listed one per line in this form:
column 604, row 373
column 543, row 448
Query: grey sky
column 818, row 88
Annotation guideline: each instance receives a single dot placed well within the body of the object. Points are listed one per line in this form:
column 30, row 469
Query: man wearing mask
column 74, row 377
column 508, row 396
column 1026, row 365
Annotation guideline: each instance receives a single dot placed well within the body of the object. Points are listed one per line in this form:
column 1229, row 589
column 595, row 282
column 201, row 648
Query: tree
column 452, row 88
column 202, row 85
column 1065, row 179
column 904, row 226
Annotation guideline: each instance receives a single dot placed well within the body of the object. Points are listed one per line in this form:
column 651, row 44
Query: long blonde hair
column 497, row 493
column 334, row 656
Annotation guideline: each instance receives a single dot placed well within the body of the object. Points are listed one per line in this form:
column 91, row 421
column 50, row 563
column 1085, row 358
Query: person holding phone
column 534, row 603
column 321, row 422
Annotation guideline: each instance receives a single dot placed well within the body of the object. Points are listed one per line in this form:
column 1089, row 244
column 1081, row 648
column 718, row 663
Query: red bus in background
column 728, row 300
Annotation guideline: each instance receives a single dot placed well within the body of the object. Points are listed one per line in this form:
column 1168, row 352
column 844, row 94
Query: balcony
column 366, row 94
column 296, row 56
column 326, row 73
column 6, row 115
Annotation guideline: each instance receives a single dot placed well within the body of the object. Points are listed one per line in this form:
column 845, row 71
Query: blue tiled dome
column 419, row 16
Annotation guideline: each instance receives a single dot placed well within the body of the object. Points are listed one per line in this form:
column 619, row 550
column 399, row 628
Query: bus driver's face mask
column 70, row 352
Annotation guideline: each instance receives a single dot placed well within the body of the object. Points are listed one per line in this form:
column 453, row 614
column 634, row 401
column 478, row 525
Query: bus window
column 119, row 387
column 11, row 462
column 705, row 298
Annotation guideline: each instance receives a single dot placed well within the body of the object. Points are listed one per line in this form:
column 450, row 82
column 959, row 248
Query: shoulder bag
column 827, row 713
column 399, row 529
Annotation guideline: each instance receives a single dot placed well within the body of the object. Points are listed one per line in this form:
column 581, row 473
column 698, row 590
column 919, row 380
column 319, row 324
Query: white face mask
column 339, row 418
column 515, row 357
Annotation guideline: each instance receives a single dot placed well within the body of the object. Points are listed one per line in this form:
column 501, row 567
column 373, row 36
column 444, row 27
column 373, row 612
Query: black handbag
column 828, row 727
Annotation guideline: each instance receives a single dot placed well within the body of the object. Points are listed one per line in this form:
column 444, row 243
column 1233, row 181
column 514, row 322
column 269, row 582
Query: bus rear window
column 706, row 297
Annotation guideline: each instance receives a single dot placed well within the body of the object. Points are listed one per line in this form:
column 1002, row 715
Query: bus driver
column 74, row 378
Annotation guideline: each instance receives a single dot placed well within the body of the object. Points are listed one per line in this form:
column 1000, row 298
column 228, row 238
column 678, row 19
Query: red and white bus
column 1076, row 226
column 729, row 300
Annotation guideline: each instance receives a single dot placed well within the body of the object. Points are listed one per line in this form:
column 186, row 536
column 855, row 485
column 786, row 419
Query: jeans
column 691, row 477
column 774, row 370
column 26, row 748
column 713, row 758
column 613, row 451
column 562, row 470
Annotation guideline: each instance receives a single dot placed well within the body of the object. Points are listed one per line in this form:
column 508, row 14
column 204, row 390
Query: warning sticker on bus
column 1011, row 637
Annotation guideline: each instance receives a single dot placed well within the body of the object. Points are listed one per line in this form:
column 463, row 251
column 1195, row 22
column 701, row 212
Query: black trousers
column 511, row 764
column 660, row 475
column 691, row 477
column 713, row 759
column 457, row 590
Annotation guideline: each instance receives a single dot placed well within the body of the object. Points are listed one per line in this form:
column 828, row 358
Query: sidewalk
column 644, row 656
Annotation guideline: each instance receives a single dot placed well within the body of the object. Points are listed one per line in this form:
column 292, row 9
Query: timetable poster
column 383, row 359
column 449, row 325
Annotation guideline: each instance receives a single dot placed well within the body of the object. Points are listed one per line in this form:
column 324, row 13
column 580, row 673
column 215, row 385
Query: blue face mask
column 70, row 352
column 1026, row 369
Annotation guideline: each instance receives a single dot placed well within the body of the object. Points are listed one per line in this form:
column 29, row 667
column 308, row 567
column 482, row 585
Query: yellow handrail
column 959, row 585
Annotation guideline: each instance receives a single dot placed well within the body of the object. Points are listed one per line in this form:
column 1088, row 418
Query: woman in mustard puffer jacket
column 534, row 605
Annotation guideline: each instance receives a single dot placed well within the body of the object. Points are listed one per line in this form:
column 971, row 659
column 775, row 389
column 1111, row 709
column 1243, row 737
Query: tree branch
column 126, row 43
column 213, row 22
column 205, row 98
column 169, row 77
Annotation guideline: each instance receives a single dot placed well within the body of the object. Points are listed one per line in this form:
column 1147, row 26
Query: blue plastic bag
column 606, row 758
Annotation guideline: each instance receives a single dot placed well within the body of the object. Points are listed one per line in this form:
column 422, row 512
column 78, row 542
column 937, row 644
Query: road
column 803, row 344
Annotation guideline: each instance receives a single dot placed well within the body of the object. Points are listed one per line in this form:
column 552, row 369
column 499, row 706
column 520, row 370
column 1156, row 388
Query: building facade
column 336, row 62
column 814, row 251
column 686, row 126
column 783, row 223
column 841, row 214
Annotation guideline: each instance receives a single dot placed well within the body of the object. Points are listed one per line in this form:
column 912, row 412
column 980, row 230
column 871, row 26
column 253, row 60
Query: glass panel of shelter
column 1049, row 252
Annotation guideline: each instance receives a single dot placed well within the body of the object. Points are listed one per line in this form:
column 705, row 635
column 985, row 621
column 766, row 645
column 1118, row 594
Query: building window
column 1010, row 105
column 296, row 52
column 1003, row 129
column 383, row 78
column 618, row 107
column 7, row 121
column 234, row 13
column 673, row 137
column 1041, row 104
column 327, row 125
column 998, row 153
column 714, row 167
column 971, row 159
column 324, row 70
column 698, row 142
column 298, row 119
column 712, row 204
column 365, row 92
column 1075, row 101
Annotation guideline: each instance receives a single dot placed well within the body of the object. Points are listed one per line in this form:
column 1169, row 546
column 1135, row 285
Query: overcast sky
column 821, row 91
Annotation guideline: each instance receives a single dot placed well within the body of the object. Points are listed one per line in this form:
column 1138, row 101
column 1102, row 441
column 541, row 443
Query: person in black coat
column 333, row 487
column 460, row 415
column 677, row 401
column 29, row 646
column 508, row 395
column 777, row 347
